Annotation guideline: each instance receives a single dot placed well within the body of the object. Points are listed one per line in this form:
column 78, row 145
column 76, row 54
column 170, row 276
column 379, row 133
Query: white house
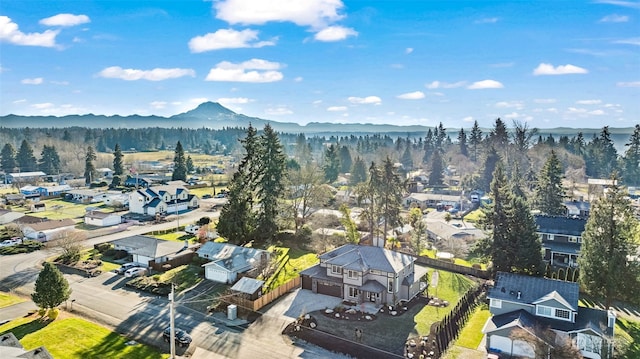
column 47, row 230
column 144, row 249
column 171, row 198
column 102, row 219
column 228, row 260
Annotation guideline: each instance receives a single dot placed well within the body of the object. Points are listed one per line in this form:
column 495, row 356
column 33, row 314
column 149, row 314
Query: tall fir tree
column 51, row 288
column 118, row 161
column 179, row 164
column 272, row 162
column 550, row 194
column 490, row 163
column 407, row 159
column 358, row 172
column 189, row 163
column 499, row 136
column 89, row 166
column 331, row 163
column 436, row 176
column 49, row 161
column 345, row 159
column 390, row 190
column 475, row 140
column 523, row 236
column 8, row 158
column 501, row 251
column 462, row 143
column 429, row 146
column 608, row 243
column 25, row 158
column 631, row 159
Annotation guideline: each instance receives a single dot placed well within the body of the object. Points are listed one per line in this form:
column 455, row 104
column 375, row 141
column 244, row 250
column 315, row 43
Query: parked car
column 11, row 242
column 206, row 196
column 135, row 272
column 182, row 337
column 127, row 266
column 192, row 228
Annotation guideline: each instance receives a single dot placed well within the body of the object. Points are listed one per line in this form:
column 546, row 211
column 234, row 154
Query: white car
column 10, row 242
column 192, row 228
column 135, row 272
column 126, row 267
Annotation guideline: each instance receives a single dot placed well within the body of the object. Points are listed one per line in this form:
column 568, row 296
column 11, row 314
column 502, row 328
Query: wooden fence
column 267, row 298
column 452, row 267
column 174, row 262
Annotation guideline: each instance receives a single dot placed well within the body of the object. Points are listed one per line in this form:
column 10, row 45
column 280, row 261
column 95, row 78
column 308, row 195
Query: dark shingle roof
column 508, row 285
column 363, row 258
column 560, row 225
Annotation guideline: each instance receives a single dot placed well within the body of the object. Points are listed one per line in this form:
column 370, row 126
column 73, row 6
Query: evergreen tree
column 49, row 161
column 440, row 137
column 51, row 288
column 429, row 146
column 8, row 158
column 331, row 164
column 608, row 242
column 475, row 140
column 609, row 155
column 66, row 136
column 179, row 164
column 500, row 250
column 358, row 172
column 407, row 159
column 523, row 236
column 631, row 159
column 390, row 190
column 350, row 226
column 436, row 176
column 489, row 167
column 118, row 162
column 89, row 167
column 190, row 167
column 272, row 162
column 522, row 136
column 499, row 136
column 25, row 158
column 550, row 193
column 345, row 159
column 462, row 142
column 419, row 230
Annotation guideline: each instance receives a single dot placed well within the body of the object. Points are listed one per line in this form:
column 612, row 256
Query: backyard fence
column 266, row 298
column 184, row 258
column 451, row 267
column 448, row 329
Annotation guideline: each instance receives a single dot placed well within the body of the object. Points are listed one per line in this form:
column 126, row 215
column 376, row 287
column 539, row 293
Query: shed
column 248, row 288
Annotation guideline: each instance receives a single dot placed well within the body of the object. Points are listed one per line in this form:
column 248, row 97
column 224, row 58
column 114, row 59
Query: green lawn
column 73, row 338
column 107, row 264
column 298, row 260
column 627, row 335
column 471, row 336
column 175, row 236
column 473, row 216
column 59, row 209
column 451, row 286
column 7, row 300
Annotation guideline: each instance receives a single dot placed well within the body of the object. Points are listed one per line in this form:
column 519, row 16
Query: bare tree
column 69, row 242
column 547, row 344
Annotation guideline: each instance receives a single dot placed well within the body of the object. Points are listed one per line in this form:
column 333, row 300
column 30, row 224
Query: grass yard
column 298, row 260
column 473, row 216
column 175, row 236
column 627, row 335
column 75, row 338
column 471, row 336
column 107, row 263
column 186, row 276
column 7, row 300
column 59, row 209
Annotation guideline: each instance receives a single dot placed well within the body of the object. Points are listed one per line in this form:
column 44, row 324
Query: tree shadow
column 27, row 328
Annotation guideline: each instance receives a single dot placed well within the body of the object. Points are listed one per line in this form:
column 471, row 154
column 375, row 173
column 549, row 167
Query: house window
column 353, row 274
column 562, row 314
column 573, row 239
column 495, row 303
column 390, row 285
column 353, row 292
column 579, row 239
column 543, row 311
column 550, row 237
column 336, row 269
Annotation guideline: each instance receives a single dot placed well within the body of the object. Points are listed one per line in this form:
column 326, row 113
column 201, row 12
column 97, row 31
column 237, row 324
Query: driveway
column 300, row 302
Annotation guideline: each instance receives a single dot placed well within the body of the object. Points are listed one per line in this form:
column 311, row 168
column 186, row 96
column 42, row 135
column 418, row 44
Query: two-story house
column 361, row 274
column 171, row 198
column 561, row 239
column 534, row 303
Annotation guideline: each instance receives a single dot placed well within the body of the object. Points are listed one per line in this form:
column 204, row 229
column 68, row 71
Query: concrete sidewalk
column 16, row 311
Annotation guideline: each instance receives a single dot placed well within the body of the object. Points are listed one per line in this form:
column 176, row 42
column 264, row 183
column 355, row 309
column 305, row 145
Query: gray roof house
column 533, row 303
column 561, row 239
column 11, row 348
column 365, row 274
column 144, row 249
column 228, row 260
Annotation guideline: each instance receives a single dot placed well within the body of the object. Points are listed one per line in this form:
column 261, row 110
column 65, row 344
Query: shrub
column 53, row 313
column 476, row 266
column 120, row 254
column 42, row 312
column 103, row 247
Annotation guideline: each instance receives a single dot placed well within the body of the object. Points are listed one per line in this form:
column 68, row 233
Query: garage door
column 498, row 344
column 330, row 288
column 306, row 282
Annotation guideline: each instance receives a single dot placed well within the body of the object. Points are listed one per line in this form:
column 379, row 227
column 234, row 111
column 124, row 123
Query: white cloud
column 314, row 13
column 485, row 84
column 365, row 100
column 408, row 50
column 416, row 95
column 628, row 84
column 597, row 112
column 335, row 33
column 227, row 39
column 518, row 105
column 575, row 110
column 545, row 100
column 254, row 70
column 548, row 69
column 65, row 20
column 158, row 105
column 298, row 79
column 588, row 102
column 468, row 119
column 630, row 4
column 488, row 20
column 42, row 106
column 34, row 81
column 61, row 83
column 10, row 33
column 233, row 100
column 278, row 111
column 23, row 100
column 633, row 41
column 157, row 74
column 615, row 18
column 445, row 85
column 337, row 108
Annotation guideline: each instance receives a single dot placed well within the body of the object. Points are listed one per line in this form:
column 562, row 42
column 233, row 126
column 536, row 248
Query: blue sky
column 549, row 63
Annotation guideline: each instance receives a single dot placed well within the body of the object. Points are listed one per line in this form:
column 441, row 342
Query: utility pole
column 177, row 216
column 172, row 337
